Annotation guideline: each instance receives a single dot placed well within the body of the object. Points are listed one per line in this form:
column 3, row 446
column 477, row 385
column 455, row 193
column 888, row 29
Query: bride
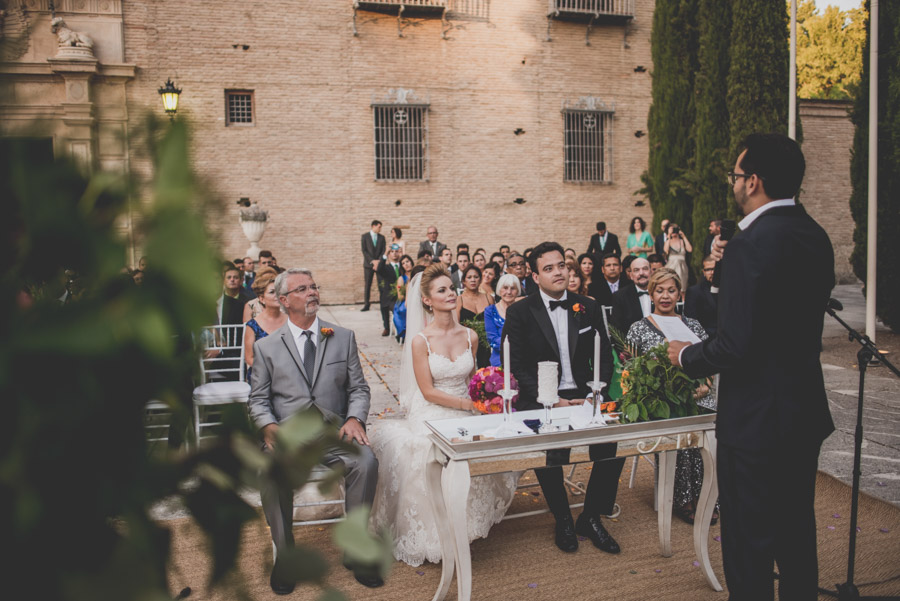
column 438, row 362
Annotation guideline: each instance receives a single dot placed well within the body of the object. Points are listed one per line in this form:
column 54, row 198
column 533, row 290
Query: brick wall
column 827, row 139
column 309, row 158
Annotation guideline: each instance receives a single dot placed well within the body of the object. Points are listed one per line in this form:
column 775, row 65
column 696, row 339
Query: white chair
column 607, row 315
column 318, row 473
column 222, row 375
column 157, row 419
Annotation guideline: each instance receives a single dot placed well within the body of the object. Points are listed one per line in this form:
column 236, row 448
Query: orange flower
column 578, row 308
column 326, row 332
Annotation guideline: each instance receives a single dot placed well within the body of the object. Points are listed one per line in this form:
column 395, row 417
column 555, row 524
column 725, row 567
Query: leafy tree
column 888, row 246
column 674, row 53
column 77, row 478
column 829, row 51
column 757, row 97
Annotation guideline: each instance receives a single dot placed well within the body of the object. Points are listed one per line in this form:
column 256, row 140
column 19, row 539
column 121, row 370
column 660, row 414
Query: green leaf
column 632, row 412
column 332, row 594
column 250, row 454
column 300, row 429
column 301, row 564
column 353, row 536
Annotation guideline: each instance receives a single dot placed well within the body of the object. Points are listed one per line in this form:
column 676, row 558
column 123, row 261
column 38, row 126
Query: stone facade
column 494, row 84
column 827, row 141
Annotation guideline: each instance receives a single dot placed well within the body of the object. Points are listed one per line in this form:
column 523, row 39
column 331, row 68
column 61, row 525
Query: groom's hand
column 353, row 430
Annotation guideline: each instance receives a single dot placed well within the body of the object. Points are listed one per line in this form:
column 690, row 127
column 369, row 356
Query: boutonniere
column 326, row 332
column 578, row 309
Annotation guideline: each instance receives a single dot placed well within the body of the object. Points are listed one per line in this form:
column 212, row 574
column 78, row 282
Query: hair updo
column 431, row 273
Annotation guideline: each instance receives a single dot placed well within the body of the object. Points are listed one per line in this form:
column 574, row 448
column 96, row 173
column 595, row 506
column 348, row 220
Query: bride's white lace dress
column 402, row 446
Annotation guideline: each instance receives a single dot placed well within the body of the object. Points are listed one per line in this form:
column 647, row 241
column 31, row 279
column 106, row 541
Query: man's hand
column 718, row 248
column 375, row 264
column 269, row 432
column 569, row 402
column 353, row 430
column 675, row 347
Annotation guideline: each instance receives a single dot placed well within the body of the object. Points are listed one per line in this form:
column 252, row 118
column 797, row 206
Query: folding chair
column 222, row 375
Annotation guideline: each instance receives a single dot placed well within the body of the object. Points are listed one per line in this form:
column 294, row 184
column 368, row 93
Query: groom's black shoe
column 365, row 575
column 593, row 529
column 565, row 534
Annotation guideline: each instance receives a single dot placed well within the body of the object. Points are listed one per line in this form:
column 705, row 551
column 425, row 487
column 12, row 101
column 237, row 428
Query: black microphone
column 728, row 228
column 834, row 304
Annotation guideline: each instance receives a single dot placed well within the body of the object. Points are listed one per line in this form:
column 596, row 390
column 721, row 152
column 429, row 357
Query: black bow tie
column 563, row 303
column 643, row 292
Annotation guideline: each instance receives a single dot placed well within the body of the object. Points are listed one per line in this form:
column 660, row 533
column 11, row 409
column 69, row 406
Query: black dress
column 689, row 465
column 482, row 354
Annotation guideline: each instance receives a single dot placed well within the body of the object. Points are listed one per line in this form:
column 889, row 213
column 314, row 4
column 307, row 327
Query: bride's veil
column 416, row 320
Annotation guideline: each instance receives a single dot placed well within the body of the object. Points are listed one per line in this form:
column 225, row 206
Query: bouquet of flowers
column 653, row 388
column 485, row 387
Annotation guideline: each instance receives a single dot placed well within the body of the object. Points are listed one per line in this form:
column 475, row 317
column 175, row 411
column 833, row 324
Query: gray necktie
column 309, row 354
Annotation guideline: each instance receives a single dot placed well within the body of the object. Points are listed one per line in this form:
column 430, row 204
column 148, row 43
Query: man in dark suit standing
column 661, row 238
column 632, row 303
column 700, row 302
column 604, row 242
column 557, row 325
column 715, row 228
column 777, row 275
column 432, row 244
column 373, row 247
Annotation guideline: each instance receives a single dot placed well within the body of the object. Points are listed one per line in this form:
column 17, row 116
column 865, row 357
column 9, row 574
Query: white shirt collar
column 749, row 219
column 546, row 298
column 297, row 332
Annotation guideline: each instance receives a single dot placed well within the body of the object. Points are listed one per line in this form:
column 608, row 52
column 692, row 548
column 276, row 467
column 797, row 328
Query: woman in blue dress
column 399, row 317
column 268, row 320
column 509, row 289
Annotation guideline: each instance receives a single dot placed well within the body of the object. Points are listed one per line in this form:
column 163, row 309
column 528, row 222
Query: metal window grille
column 401, row 142
column 601, row 7
column 588, row 146
column 239, row 107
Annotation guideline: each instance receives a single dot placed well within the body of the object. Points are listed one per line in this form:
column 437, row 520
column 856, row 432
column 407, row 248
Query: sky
column 842, row 4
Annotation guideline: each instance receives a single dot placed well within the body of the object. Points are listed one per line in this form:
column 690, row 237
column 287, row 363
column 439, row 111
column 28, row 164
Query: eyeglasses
column 516, row 263
column 734, row 176
column 304, row 289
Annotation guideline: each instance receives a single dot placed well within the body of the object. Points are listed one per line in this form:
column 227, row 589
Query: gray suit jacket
column 280, row 386
column 425, row 244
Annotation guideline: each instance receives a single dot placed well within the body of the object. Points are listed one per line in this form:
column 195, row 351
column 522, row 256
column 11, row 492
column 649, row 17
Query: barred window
column 401, row 142
column 238, row 107
column 588, row 146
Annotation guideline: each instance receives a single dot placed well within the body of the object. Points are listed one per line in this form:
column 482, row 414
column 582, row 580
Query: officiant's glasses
column 734, row 176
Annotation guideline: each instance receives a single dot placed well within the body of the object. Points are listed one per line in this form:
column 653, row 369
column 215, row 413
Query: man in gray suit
column 309, row 363
column 431, row 244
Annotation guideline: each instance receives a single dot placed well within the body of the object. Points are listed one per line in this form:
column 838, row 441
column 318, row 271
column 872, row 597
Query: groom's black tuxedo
column 773, row 414
column 533, row 339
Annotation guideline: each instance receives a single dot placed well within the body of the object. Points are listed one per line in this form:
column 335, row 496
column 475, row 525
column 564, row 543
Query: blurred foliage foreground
column 77, row 478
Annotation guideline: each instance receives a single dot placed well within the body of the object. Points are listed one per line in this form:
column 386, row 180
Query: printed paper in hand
column 675, row 329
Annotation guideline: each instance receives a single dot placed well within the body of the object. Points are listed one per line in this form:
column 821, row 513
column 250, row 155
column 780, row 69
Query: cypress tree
column 710, row 132
column 888, row 281
column 674, row 52
column 757, row 96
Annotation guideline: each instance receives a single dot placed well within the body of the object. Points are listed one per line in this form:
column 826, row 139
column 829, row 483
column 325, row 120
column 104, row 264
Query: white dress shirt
column 559, row 317
column 749, row 219
column 644, row 299
column 300, row 339
column 613, row 286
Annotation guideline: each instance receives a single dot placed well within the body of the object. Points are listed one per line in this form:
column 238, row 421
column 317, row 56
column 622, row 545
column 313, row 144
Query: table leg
column 434, row 468
column 456, row 495
column 706, row 504
column 665, row 495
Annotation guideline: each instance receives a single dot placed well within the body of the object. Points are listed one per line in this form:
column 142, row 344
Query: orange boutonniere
column 578, row 309
column 326, row 332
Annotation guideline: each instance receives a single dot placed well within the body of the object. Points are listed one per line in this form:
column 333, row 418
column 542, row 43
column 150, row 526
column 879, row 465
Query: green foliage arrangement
column 888, row 246
column 478, row 326
column 77, row 477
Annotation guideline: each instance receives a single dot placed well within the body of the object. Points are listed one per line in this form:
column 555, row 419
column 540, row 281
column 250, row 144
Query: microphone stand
column 867, row 352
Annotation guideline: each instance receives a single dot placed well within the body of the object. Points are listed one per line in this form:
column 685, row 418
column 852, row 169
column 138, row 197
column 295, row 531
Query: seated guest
column 269, row 319
column 626, row 266
column 489, row 279
column 479, row 260
column 699, row 301
column 570, row 255
column 586, row 265
column 665, row 292
column 632, row 303
column 516, row 266
column 656, row 262
column 266, row 259
column 604, row 287
column 462, row 261
column 499, row 259
column 504, row 250
column 604, row 242
column 509, row 289
column 254, row 307
column 471, row 306
column 576, row 279
column 230, row 308
column 424, row 258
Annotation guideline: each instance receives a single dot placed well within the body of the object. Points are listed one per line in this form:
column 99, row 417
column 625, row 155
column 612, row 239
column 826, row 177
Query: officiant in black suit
column 373, row 247
column 604, row 242
column 556, row 325
column 777, row 275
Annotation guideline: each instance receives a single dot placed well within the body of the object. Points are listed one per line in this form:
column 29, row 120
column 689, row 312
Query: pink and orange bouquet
column 485, row 387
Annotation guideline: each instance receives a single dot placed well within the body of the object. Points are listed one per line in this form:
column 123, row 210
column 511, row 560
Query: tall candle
column 506, row 363
column 596, row 356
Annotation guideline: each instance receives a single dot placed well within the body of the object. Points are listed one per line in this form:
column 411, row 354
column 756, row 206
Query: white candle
column 596, row 356
column 506, row 363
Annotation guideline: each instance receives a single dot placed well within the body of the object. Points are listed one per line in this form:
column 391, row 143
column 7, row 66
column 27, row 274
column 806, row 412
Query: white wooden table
column 454, row 464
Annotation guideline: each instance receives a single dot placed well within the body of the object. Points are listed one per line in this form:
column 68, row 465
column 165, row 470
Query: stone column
column 78, row 109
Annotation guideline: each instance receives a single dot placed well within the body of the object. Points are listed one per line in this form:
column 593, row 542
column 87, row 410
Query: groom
column 309, row 363
column 556, row 325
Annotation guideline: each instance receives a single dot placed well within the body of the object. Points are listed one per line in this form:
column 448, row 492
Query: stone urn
column 253, row 222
